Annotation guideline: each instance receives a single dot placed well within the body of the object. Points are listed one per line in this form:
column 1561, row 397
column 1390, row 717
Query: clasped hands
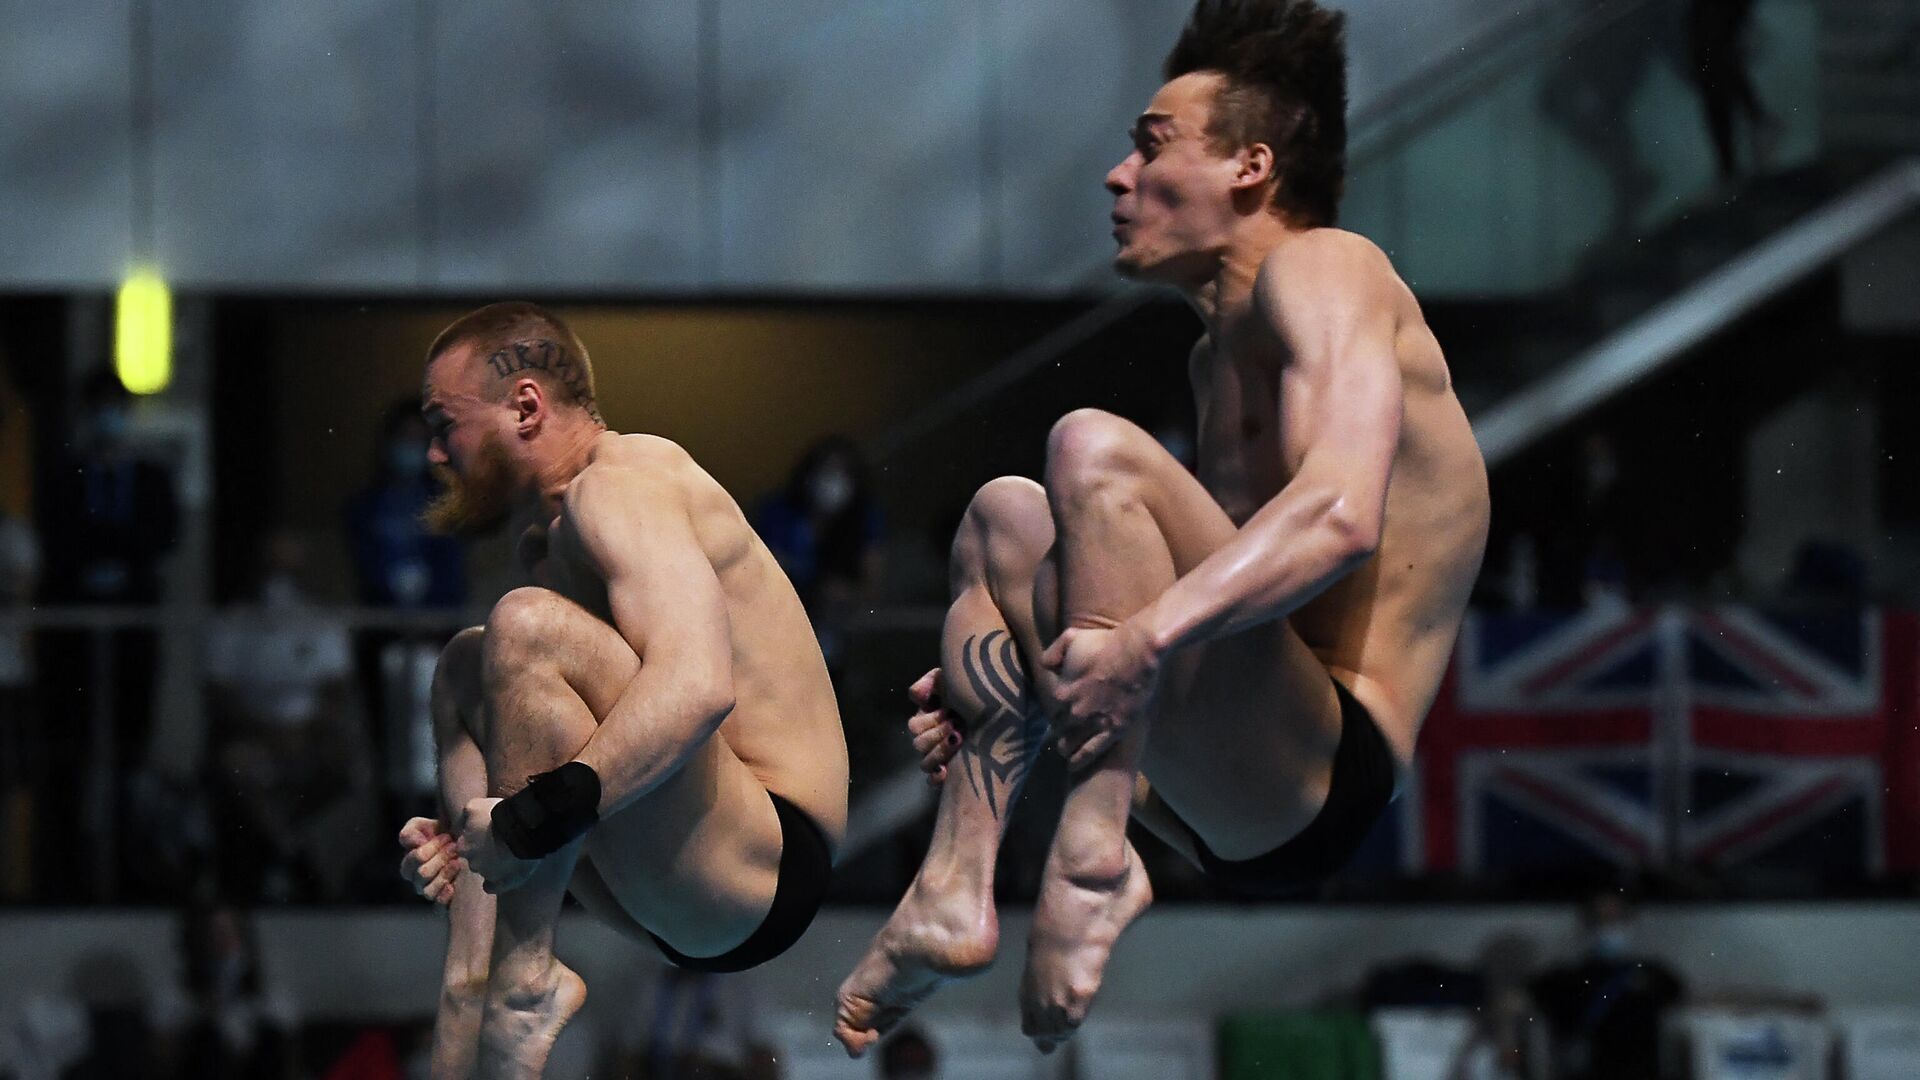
column 1106, row 679
column 436, row 859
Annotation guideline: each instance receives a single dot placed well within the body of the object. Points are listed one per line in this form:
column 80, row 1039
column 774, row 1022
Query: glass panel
column 1581, row 180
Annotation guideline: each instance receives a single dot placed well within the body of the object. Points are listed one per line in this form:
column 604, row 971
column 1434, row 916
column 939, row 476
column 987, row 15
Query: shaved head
column 501, row 384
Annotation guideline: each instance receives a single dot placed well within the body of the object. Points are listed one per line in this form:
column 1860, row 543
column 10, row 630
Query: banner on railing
column 1717, row 739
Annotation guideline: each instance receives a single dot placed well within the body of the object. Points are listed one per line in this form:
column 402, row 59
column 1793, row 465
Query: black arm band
column 547, row 814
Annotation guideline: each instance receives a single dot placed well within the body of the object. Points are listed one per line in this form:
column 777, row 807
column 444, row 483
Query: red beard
column 477, row 503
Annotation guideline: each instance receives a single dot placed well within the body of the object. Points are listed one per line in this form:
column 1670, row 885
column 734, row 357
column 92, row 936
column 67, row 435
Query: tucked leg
column 1240, row 768
column 946, row 926
column 534, row 720
column 455, row 705
column 695, row 861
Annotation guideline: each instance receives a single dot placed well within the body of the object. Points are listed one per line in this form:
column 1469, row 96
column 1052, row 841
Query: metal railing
column 1664, row 334
column 100, row 629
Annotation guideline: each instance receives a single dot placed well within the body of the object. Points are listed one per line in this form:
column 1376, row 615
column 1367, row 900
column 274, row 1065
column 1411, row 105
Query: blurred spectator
column 291, row 766
column 1827, row 574
column 396, row 561
column 47, row 1035
column 1605, row 1010
column 909, row 1055
column 399, row 563
column 1588, row 97
column 1519, row 577
column 20, row 755
column 106, row 518
column 681, row 1025
column 1717, row 47
column 113, row 990
column 1609, row 513
column 825, row 530
column 225, row 1020
column 823, row 526
column 1504, row 1044
column 1177, row 440
column 1174, row 431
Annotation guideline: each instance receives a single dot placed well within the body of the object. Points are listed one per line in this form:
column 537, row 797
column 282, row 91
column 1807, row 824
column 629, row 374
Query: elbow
column 1356, row 534
column 714, row 700
column 693, row 686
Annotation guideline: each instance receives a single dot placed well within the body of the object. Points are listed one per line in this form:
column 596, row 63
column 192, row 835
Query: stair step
column 1865, row 37
column 1867, row 12
column 1852, row 84
column 1891, row 129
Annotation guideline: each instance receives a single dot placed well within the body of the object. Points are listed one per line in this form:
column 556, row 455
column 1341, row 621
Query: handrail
column 1378, row 128
column 173, row 617
column 879, row 618
column 1377, row 131
column 1664, row 334
column 102, row 623
column 1055, row 344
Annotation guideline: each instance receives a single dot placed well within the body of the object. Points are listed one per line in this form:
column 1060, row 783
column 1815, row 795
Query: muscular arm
column 1334, row 315
column 637, row 530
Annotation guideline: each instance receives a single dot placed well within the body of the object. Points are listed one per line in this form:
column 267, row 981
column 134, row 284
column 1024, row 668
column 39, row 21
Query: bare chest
column 1245, row 454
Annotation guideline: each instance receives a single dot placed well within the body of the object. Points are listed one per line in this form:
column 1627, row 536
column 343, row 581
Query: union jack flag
column 1726, row 739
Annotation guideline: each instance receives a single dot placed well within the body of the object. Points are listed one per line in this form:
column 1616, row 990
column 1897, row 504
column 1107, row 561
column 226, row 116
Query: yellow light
column 143, row 333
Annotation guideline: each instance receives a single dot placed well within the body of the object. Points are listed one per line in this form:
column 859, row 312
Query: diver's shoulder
column 624, row 466
column 1323, row 250
column 638, row 448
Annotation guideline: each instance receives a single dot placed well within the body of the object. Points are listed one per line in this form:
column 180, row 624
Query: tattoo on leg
column 1010, row 727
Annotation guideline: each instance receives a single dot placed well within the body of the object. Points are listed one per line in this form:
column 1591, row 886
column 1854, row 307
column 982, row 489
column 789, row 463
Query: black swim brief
column 806, row 867
column 1359, row 791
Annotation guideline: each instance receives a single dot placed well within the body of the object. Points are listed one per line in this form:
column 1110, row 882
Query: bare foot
column 523, row 1020
column 1075, row 925
column 933, row 936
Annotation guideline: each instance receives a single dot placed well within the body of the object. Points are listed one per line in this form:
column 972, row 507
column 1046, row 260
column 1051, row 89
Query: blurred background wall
column 738, row 146
column 874, row 236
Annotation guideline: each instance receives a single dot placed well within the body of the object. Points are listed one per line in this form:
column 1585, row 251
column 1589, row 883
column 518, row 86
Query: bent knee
column 1007, row 530
column 461, row 654
column 524, row 624
column 460, row 662
column 1089, row 444
column 1011, row 517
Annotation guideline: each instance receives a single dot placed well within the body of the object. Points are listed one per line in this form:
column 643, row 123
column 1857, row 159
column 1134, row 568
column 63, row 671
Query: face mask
column 279, row 591
column 409, row 580
column 1602, row 470
column 830, row 491
column 233, row 972
column 1609, row 942
column 1179, row 445
column 110, row 423
column 406, row 459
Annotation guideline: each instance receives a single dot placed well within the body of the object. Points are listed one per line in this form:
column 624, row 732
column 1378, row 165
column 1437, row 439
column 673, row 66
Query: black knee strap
column 550, row 812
